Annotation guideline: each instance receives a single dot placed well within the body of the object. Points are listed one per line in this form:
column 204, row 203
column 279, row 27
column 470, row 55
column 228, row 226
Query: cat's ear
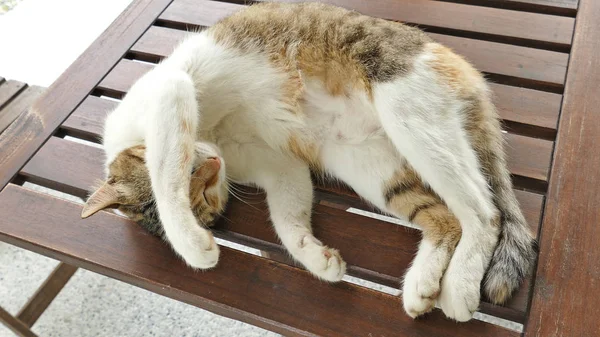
column 106, row 196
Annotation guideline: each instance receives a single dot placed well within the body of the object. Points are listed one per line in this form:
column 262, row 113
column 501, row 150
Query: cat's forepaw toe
column 336, row 267
column 324, row 262
column 200, row 252
column 459, row 298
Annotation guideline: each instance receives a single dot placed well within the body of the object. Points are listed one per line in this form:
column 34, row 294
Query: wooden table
column 540, row 56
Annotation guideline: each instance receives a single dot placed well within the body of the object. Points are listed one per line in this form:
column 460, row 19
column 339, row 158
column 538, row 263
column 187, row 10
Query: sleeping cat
column 277, row 90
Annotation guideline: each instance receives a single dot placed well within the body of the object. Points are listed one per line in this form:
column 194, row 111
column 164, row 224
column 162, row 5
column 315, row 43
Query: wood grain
column 568, row 272
column 554, row 7
column 18, row 105
column 527, row 64
column 528, row 157
column 31, row 129
column 271, row 295
column 87, row 121
column 526, row 106
column 8, row 90
column 42, row 298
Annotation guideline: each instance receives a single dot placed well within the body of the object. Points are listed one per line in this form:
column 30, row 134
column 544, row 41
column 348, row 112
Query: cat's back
column 316, row 38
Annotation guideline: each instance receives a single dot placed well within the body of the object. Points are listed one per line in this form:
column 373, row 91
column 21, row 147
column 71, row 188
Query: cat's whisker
column 241, row 191
column 242, row 200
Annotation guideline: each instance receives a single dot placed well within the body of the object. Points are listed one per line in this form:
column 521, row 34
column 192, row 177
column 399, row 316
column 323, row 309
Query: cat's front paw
column 198, row 249
column 460, row 295
column 419, row 291
column 324, row 262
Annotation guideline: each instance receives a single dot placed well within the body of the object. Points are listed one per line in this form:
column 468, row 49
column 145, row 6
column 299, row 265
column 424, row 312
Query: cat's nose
column 215, row 162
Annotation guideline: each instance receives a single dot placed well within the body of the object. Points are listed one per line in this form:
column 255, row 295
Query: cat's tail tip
column 511, row 263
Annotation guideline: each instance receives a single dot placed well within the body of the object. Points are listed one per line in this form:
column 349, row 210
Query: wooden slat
column 201, row 13
column 42, row 298
column 572, row 4
column 435, row 14
column 545, row 67
column 275, row 296
column 531, row 205
column 545, row 4
column 528, row 157
column 118, row 81
column 31, row 129
column 18, row 105
column 87, row 120
column 554, row 7
column 526, row 106
column 538, row 66
column 9, row 89
column 568, row 272
column 16, row 326
column 74, row 167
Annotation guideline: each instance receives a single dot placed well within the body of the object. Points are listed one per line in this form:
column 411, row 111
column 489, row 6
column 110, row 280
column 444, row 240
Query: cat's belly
column 343, row 119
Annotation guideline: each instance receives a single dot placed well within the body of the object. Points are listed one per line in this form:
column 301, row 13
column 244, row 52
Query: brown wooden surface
column 249, row 288
column 31, row 129
column 8, row 90
column 570, row 4
column 529, row 107
column 555, row 7
column 18, row 105
column 87, row 121
column 42, row 298
column 568, row 273
column 15, row 325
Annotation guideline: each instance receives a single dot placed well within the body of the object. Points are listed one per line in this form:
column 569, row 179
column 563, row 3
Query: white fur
column 423, row 121
column 234, row 100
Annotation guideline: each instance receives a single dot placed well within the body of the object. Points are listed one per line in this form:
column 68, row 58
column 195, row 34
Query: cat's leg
column 170, row 142
column 377, row 173
column 425, row 127
column 289, row 190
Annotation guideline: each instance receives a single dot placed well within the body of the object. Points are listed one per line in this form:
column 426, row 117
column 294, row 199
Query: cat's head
column 129, row 190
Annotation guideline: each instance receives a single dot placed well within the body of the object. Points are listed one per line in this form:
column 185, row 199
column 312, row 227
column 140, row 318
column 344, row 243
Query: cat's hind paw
column 460, row 295
column 419, row 292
